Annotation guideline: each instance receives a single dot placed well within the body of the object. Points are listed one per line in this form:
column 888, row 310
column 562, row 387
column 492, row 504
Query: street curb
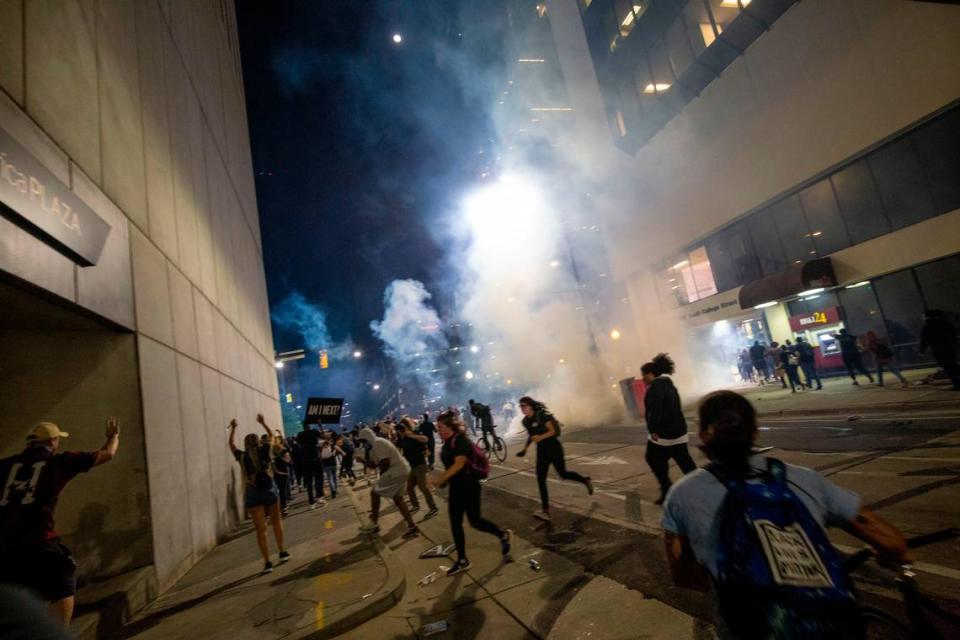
column 389, row 595
column 918, row 407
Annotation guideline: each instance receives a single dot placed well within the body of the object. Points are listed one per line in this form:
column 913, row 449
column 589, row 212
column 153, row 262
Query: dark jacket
column 806, row 352
column 848, row 346
column 664, row 413
column 757, row 353
column 939, row 334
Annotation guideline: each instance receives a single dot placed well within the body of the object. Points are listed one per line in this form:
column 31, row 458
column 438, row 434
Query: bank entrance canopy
column 811, row 274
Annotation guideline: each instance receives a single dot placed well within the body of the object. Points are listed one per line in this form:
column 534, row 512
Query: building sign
column 323, row 411
column 35, row 199
column 722, row 306
column 830, row 315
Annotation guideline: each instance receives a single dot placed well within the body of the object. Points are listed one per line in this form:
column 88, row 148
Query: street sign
column 323, row 411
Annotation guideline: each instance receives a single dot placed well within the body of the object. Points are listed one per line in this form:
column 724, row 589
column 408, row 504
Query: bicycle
column 877, row 624
column 498, row 446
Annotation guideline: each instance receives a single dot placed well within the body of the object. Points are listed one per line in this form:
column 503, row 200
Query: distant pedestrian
column 508, row 413
column 850, row 352
column 775, row 354
column 328, row 461
column 282, row 467
column 309, row 441
column 665, row 421
column 346, row 462
column 940, row 335
column 808, row 363
column 745, row 366
column 30, row 551
column 260, row 495
column 412, row 445
column 791, row 365
column 392, row 483
column 883, row 356
column 758, row 357
column 465, row 489
column 428, row 429
column 544, row 429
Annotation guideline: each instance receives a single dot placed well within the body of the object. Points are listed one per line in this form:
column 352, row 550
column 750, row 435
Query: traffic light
column 324, row 361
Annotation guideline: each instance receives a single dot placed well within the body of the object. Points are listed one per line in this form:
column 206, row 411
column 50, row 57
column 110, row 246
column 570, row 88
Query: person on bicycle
column 481, row 414
column 543, row 429
column 697, row 517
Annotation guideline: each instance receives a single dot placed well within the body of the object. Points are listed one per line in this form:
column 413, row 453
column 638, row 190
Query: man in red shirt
column 30, row 483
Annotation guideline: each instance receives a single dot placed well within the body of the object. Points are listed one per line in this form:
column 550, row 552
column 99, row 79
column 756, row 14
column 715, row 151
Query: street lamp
column 357, row 354
column 615, row 334
column 397, row 38
column 468, row 375
column 474, row 349
column 376, row 387
column 278, row 364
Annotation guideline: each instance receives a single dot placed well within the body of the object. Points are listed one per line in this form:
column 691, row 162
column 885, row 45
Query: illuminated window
column 724, row 12
column 628, row 12
column 691, row 278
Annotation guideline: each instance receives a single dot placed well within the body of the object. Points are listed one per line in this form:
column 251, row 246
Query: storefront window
column 819, row 302
column 861, row 311
column 940, row 285
column 691, row 277
column 826, row 226
column 902, row 308
column 794, row 232
column 702, row 273
column 903, row 189
column 860, row 202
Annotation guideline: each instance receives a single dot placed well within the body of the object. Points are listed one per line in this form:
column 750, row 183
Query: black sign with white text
column 323, row 411
column 35, row 199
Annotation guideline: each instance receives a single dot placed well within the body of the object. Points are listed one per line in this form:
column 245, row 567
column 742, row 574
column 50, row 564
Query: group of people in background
column 783, row 363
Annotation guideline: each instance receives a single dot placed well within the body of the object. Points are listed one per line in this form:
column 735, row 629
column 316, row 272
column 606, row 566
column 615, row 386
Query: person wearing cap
column 30, row 551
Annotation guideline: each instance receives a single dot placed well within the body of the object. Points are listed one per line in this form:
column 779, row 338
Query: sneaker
column 856, row 384
column 542, row 515
column 321, row 502
column 415, row 508
column 430, row 514
column 458, row 566
column 412, row 532
column 313, row 505
column 589, row 483
column 267, row 568
column 505, row 541
column 370, row 527
column 284, row 556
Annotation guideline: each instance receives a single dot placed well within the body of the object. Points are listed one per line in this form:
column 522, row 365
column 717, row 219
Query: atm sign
column 831, row 315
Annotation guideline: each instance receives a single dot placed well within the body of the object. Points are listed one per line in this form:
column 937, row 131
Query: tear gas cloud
column 297, row 315
column 411, row 335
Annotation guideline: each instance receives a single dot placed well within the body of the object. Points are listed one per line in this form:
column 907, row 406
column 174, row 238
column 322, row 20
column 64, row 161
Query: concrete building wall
column 138, row 106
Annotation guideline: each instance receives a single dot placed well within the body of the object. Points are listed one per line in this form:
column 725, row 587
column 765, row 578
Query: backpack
column 793, row 358
column 778, row 576
column 477, row 463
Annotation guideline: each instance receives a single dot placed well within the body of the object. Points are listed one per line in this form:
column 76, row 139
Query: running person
column 665, row 422
column 465, row 489
column 260, row 495
column 693, row 513
column 412, row 444
column 543, row 429
column 30, row 551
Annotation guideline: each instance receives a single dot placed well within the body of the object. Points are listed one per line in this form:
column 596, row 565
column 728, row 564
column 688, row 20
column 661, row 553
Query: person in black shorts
column 542, row 428
column 30, row 551
column 260, row 495
column 464, row 488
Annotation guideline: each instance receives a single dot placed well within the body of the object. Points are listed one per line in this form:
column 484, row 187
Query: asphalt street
column 906, row 467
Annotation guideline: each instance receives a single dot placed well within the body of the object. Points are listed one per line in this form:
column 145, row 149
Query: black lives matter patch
column 793, row 560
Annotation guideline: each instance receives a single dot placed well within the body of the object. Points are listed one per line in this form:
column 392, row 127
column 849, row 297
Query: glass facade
column 909, row 179
column 653, row 56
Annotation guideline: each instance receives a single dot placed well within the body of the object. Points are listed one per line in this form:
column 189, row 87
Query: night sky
column 361, row 147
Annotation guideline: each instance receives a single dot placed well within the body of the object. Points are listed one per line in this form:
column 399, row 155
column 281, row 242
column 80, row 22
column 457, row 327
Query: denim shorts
column 254, row 497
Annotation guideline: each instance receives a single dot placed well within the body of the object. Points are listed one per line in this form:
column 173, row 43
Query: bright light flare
column 397, row 38
column 474, row 349
column 615, row 334
column 278, row 365
column 505, row 217
column 468, row 375
column 376, row 387
column 358, row 354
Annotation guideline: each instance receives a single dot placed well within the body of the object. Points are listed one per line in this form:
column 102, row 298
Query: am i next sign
column 323, row 411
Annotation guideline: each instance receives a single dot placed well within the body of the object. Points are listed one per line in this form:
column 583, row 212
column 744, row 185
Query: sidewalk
column 840, row 397
column 335, row 580
column 341, row 582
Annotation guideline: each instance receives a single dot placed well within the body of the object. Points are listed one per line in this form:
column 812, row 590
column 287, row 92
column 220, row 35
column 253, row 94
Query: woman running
column 464, row 488
column 542, row 427
column 668, row 428
column 260, row 496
